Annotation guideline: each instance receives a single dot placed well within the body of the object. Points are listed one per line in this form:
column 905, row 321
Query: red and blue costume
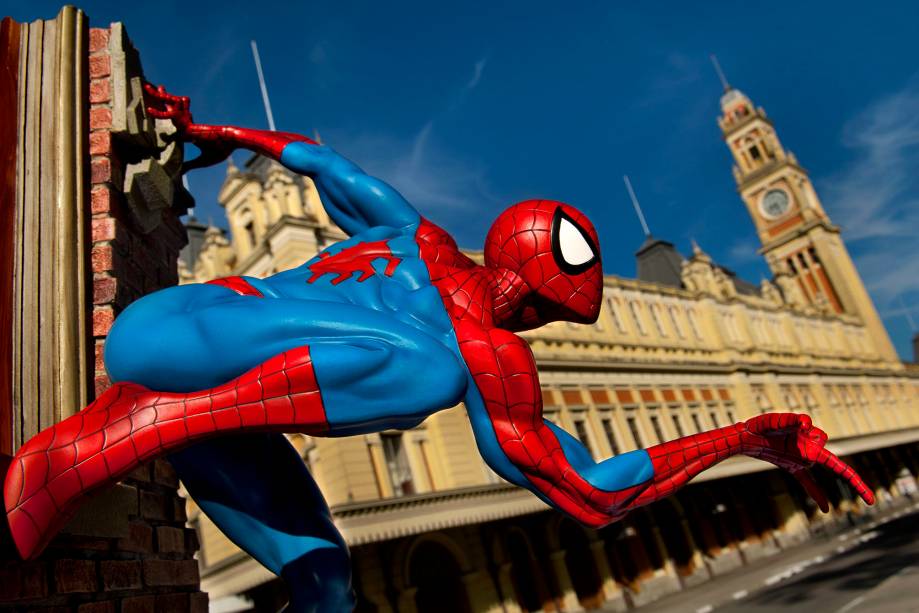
column 376, row 332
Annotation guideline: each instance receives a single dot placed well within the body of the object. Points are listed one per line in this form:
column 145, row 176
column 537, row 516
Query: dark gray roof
column 741, row 285
column 659, row 262
column 189, row 253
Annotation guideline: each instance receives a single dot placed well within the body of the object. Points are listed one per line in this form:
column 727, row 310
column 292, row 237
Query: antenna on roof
column 261, row 83
column 641, row 216
column 717, row 65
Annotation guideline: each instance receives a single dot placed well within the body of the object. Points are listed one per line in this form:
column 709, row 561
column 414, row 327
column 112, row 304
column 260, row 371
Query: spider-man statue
column 376, row 332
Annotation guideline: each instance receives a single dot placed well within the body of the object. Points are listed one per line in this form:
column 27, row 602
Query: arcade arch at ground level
column 545, row 562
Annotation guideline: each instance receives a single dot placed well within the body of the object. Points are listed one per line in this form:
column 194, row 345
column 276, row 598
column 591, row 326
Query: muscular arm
column 520, row 445
column 353, row 199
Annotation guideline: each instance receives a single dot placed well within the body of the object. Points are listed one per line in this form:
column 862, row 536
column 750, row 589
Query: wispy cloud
column 677, row 72
column 742, row 252
column 478, row 69
column 426, row 172
column 429, row 175
column 876, row 197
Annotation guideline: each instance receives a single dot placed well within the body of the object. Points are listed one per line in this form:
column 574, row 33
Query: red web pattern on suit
column 502, row 365
column 130, row 424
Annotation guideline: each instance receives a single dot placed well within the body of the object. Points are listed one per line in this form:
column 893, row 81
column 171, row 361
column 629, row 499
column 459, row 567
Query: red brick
column 100, row 91
column 99, row 355
column 100, row 119
column 100, row 66
column 104, row 289
column 101, row 383
column 138, row 604
column 102, row 257
column 120, row 574
column 152, row 506
column 34, row 579
column 97, row 607
column 72, row 576
column 139, row 539
column 170, row 540
column 98, row 39
column 170, row 572
column 104, row 229
column 20, row 580
column 165, row 474
column 87, row 542
column 100, row 170
column 103, row 317
column 100, row 143
column 174, row 603
column 198, row 603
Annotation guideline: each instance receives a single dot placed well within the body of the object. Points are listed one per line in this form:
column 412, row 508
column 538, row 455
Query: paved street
column 872, row 569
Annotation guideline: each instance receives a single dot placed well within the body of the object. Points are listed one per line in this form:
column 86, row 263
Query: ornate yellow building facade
column 686, row 347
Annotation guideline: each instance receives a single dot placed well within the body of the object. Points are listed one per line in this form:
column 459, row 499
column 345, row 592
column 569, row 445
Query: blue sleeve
column 353, row 199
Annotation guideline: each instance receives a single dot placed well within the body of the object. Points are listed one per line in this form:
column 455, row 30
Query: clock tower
column 798, row 239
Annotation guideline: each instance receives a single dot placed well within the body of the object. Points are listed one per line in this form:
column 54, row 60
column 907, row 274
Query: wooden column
column 9, row 101
column 50, row 357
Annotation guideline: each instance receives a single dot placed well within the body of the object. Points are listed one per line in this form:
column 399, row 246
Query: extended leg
column 259, row 493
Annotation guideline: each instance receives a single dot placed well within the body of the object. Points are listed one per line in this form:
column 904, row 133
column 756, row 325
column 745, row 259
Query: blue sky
column 467, row 107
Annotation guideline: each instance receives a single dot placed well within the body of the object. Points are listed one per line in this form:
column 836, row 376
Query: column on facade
column 406, row 600
column 481, row 592
column 611, row 589
column 370, row 578
column 560, row 569
column 506, row 586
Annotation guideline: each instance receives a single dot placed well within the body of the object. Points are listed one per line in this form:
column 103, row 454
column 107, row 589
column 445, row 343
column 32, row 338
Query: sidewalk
column 769, row 572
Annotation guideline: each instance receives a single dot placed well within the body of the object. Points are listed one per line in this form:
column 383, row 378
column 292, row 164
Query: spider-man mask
column 553, row 247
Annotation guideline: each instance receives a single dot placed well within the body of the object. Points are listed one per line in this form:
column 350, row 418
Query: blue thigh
column 258, row 491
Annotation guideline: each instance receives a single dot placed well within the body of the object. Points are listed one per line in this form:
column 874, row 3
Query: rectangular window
column 675, row 321
column 730, row 413
column 678, row 425
column 695, row 421
column 610, row 436
column 633, row 428
column 580, row 428
column 656, row 424
column 400, row 473
column 423, row 452
column 617, row 316
column 713, row 415
column 656, row 317
column 691, row 316
column 633, row 307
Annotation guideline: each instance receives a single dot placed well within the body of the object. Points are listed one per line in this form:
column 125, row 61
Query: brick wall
column 126, row 263
column 127, row 550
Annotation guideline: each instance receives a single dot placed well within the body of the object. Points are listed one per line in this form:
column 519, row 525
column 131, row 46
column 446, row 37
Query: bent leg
column 130, row 424
column 258, row 491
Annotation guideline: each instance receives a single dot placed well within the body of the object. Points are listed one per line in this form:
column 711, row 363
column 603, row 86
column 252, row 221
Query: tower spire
column 721, row 77
column 641, row 216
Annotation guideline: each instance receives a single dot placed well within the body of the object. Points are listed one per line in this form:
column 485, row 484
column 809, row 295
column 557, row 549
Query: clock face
column 775, row 203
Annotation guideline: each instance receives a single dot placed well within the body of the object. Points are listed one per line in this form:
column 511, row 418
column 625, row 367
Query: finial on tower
column 641, row 216
column 721, row 77
column 696, row 249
